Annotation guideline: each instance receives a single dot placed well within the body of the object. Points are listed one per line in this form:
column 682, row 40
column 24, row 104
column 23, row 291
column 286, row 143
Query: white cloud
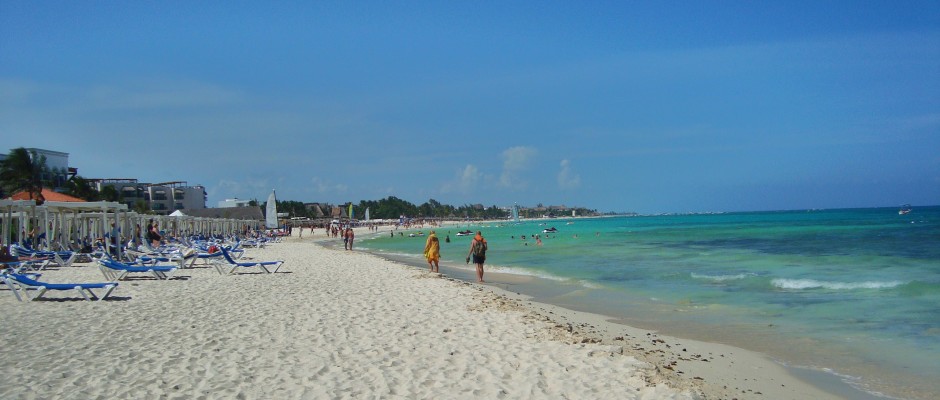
column 466, row 180
column 469, row 178
column 566, row 178
column 243, row 189
column 324, row 187
column 515, row 161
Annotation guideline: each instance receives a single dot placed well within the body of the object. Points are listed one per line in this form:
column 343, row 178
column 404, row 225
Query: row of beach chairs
column 22, row 276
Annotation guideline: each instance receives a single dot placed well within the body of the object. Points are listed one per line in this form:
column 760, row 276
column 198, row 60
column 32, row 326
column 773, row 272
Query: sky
column 622, row 106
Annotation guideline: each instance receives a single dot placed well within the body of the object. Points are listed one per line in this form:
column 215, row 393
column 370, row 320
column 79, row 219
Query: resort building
column 251, row 213
column 161, row 198
column 57, row 166
column 231, row 203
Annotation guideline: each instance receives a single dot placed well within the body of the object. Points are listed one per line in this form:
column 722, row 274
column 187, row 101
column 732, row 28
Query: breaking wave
column 723, row 278
column 803, row 284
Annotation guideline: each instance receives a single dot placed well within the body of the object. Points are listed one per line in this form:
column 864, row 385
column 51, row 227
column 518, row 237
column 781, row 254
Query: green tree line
column 391, row 208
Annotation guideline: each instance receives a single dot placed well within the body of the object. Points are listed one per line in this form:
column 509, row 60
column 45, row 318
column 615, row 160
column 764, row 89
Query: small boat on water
column 905, row 209
column 550, row 230
column 465, row 233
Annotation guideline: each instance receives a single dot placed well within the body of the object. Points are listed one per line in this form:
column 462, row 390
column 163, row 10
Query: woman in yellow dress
column 432, row 251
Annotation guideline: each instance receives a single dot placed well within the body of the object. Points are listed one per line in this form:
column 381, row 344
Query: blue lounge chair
column 25, row 283
column 137, row 257
column 115, row 271
column 205, row 257
column 207, row 252
column 228, row 262
column 62, row 258
column 35, row 264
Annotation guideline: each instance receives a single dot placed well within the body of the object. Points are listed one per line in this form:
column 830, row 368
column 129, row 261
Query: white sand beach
column 345, row 324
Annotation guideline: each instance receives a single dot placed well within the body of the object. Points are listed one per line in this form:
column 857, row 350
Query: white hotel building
column 161, row 198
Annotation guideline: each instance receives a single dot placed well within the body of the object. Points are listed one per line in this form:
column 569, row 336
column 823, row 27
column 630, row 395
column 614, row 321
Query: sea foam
column 722, row 278
column 802, row 284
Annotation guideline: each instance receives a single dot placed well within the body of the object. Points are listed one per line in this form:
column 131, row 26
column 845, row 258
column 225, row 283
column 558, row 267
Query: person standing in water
column 478, row 252
column 432, row 251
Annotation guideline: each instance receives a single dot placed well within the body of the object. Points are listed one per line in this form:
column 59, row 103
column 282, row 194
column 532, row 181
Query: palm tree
column 22, row 171
column 79, row 187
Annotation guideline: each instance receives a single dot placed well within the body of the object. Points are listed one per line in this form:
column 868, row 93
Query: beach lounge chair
column 206, row 258
column 64, row 258
column 61, row 258
column 228, row 263
column 24, row 283
column 138, row 257
column 206, row 252
column 178, row 255
column 115, row 271
column 17, row 267
column 234, row 250
column 35, row 264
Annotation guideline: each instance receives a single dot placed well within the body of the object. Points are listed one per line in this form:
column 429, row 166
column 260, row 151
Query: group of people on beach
column 347, row 233
column 477, row 253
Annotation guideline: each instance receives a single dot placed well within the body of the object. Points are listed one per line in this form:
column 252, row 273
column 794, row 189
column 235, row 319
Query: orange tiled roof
column 49, row 195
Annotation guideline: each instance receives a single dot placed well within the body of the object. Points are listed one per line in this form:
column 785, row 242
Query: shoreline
column 336, row 323
column 536, row 293
column 715, row 370
column 330, row 324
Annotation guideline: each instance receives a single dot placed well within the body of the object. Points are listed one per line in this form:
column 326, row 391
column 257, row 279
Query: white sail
column 515, row 213
column 270, row 220
column 367, row 214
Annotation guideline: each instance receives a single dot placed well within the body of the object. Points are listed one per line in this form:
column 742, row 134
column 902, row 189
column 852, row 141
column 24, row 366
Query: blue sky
column 620, row 106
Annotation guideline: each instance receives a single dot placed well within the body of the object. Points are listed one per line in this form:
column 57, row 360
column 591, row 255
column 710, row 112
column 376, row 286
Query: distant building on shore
column 161, row 198
column 57, row 166
column 338, row 212
column 252, row 213
column 231, row 203
column 316, row 209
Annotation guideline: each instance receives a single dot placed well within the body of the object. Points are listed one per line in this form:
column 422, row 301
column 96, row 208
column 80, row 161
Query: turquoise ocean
column 854, row 293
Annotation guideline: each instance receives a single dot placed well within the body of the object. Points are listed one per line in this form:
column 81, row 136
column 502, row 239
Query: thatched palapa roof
column 249, row 213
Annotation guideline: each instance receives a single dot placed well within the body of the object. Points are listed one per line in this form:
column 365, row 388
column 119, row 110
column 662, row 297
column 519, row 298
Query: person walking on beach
column 478, row 252
column 349, row 236
column 432, row 251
